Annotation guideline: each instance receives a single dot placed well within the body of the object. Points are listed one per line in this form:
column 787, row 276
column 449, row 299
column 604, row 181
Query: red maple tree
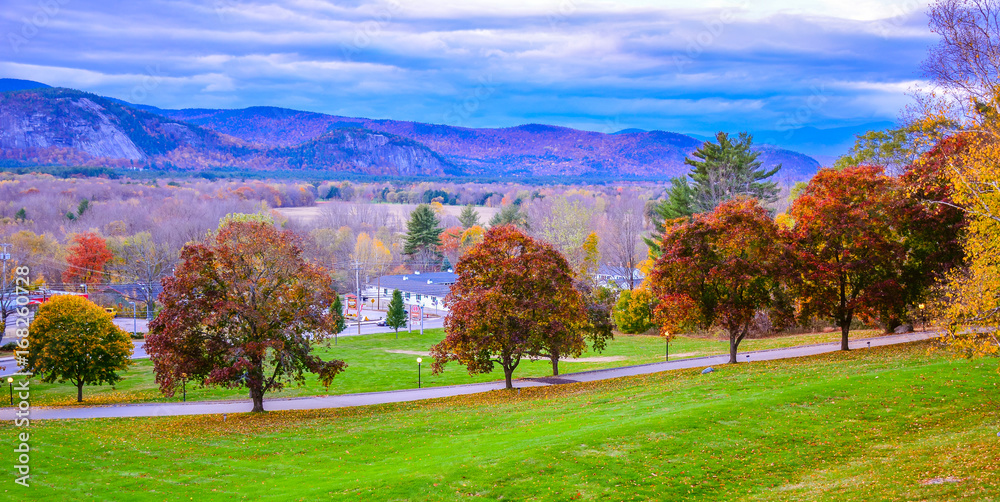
column 849, row 239
column 244, row 310
column 514, row 298
column 87, row 256
column 719, row 269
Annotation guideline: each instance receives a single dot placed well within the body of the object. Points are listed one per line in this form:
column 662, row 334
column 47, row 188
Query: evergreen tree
column 510, row 215
column 423, row 237
column 469, row 217
column 727, row 170
column 337, row 312
column 679, row 204
column 719, row 172
column 396, row 317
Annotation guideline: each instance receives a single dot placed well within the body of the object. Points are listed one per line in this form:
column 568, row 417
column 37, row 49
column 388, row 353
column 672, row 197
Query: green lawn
column 372, row 368
column 868, row 425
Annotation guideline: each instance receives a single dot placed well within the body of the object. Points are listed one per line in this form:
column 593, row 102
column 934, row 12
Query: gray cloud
column 566, row 64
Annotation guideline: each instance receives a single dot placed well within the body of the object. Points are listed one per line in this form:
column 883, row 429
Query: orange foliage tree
column 87, row 256
column 722, row 267
column 451, row 243
column 514, row 298
column 849, row 239
column 244, row 310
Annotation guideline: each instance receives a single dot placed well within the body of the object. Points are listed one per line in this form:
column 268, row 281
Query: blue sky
column 691, row 66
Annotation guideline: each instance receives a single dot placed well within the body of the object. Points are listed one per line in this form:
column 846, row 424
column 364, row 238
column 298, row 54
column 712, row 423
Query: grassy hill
column 895, row 423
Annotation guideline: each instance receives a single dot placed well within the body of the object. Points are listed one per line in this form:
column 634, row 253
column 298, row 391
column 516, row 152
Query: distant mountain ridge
column 526, row 150
column 69, row 127
column 13, row 84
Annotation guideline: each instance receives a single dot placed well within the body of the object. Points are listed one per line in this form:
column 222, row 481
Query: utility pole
column 4, row 256
column 357, row 291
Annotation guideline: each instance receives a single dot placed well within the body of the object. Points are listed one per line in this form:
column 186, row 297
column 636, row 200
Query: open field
column 882, row 424
column 400, row 211
column 381, row 362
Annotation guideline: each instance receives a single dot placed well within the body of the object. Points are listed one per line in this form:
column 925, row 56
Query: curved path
column 345, row 400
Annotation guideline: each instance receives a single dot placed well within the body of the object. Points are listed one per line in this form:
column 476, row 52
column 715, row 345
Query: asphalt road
column 8, row 367
column 320, row 402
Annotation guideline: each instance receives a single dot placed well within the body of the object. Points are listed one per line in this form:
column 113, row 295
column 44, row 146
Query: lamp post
column 419, row 360
column 184, row 377
column 135, row 313
column 10, row 383
column 923, row 320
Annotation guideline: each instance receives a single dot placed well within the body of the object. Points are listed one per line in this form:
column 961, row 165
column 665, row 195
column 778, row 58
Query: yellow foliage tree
column 965, row 73
column 634, row 311
column 471, row 236
column 72, row 339
column 372, row 256
column 591, row 256
column 972, row 295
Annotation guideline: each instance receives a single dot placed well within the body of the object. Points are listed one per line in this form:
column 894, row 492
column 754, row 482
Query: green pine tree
column 719, row 171
column 729, row 169
column 396, row 317
column 469, row 217
column 21, row 214
column 423, row 237
column 510, row 215
column 337, row 311
column 679, row 204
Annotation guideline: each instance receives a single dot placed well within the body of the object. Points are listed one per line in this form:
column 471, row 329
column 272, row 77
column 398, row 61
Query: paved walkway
column 346, row 400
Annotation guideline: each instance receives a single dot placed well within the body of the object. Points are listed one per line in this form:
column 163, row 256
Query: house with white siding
column 427, row 289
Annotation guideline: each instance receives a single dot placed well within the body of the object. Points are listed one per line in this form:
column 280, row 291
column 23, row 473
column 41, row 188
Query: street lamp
column 419, row 360
column 184, row 386
column 666, row 356
column 923, row 320
column 134, row 315
column 10, row 383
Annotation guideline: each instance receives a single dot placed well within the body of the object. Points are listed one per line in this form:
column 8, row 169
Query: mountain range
column 46, row 125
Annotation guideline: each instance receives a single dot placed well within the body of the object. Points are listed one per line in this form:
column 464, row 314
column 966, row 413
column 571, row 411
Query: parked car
column 111, row 310
column 383, row 323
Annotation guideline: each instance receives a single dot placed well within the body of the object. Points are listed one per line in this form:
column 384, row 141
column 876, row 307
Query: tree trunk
column 257, row 396
column 847, row 314
column 79, row 392
column 508, row 372
column 555, row 364
column 732, row 349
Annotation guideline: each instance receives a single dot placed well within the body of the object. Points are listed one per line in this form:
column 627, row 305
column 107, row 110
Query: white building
column 426, row 289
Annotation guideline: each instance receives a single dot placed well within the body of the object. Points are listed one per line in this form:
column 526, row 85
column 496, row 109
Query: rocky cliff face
column 41, row 125
column 364, row 151
column 528, row 150
column 80, row 124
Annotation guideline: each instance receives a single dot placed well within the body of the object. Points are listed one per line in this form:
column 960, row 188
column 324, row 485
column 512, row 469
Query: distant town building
column 614, row 277
column 427, row 289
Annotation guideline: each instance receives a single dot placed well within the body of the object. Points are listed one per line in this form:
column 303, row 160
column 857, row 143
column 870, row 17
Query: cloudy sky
column 686, row 66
